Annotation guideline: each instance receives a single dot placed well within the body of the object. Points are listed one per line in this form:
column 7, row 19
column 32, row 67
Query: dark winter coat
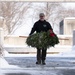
column 41, row 26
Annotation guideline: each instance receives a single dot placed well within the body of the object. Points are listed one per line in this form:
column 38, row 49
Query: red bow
column 51, row 33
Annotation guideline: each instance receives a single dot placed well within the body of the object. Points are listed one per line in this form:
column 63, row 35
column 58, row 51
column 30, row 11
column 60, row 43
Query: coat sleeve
column 49, row 26
column 33, row 29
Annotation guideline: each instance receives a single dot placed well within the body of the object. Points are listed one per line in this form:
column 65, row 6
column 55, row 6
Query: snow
column 4, row 64
column 70, row 53
column 14, row 45
column 73, row 48
column 69, row 18
column 64, row 36
column 63, row 53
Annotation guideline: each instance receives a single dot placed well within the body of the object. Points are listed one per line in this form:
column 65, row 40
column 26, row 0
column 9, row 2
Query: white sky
column 70, row 4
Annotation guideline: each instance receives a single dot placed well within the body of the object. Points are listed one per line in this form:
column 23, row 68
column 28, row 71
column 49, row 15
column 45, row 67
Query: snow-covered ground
column 39, row 72
column 64, row 53
column 5, row 64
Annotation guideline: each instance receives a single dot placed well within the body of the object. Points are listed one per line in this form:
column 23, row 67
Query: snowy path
column 54, row 66
column 27, row 66
column 39, row 72
column 29, row 62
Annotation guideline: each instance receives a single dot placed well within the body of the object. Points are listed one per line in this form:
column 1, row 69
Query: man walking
column 41, row 25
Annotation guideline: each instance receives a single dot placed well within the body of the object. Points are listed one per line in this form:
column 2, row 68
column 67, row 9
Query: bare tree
column 13, row 13
column 69, row 12
column 50, row 10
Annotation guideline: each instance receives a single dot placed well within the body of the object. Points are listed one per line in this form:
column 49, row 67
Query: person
column 41, row 25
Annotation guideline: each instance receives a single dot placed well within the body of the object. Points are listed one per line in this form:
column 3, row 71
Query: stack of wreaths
column 42, row 39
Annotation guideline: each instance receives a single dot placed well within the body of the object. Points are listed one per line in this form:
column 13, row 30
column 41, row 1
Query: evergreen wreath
column 42, row 40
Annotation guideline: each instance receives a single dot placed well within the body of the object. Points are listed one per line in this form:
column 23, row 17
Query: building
column 61, row 30
column 67, row 26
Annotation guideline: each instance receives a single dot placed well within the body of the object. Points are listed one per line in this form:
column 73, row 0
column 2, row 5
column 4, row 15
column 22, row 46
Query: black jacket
column 41, row 26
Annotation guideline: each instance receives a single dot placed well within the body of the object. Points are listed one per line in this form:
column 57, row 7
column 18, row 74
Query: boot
column 43, row 62
column 38, row 62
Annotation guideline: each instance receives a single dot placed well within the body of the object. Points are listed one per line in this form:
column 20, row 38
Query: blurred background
column 19, row 17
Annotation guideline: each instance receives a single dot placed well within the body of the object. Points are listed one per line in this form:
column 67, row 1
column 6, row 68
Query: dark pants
column 41, row 54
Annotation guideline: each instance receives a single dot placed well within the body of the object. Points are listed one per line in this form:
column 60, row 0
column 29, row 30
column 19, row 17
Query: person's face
column 42, row 18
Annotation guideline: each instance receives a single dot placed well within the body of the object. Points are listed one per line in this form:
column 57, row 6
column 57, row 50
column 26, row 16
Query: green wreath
column 42, row 40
